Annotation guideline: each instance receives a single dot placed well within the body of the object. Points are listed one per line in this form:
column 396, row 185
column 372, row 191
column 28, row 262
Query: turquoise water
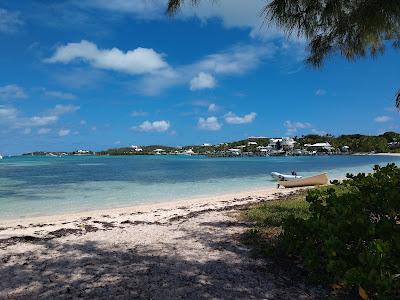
column 31, row 186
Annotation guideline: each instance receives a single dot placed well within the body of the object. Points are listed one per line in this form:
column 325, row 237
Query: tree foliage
column 175, row 5
column 356, row 142
column 355, row 28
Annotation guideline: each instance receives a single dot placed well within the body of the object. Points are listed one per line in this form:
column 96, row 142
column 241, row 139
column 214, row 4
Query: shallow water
column 31, row 186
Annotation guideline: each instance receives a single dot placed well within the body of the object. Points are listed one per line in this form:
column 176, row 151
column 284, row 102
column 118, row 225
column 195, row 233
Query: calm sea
column 31, row 186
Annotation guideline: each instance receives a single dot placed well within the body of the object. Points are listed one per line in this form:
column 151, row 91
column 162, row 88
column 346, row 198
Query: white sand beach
column 186, row 249
column 379, row 154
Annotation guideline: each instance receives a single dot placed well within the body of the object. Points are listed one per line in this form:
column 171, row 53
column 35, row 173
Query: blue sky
column 99, row 74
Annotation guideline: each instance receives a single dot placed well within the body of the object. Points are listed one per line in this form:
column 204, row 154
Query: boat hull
column 320, row 179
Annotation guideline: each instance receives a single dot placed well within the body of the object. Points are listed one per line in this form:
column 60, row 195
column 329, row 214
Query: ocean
column 37, row 186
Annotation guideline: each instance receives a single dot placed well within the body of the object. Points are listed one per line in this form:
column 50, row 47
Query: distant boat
column 320, row 179
column 284, row 177
column 1, row 157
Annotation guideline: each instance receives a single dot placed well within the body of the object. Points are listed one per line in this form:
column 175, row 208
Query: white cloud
column 139, row 113
column 234, row 14
column 157, row 74
column 292, row 126
column 39, row 121
column 213, row 107
column 146, row 9
column 156, row 126
column 60, row 95
column 60, row 109
column 42, row 131
column 382, row 119
column 7, row 114
column 235, row 61
column 11, row 117
column 202, row 81
column 232, row 118
column 210, row 123
column 12, row 91
column 320, row 92
column 137, row 61
column 9, row 21
column 231, row 13
column 63, row 132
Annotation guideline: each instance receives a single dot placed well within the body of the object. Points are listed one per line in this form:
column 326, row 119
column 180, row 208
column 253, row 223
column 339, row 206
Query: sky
column 99, row 74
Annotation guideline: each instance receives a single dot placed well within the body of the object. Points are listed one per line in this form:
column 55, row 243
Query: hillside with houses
column 274, row 146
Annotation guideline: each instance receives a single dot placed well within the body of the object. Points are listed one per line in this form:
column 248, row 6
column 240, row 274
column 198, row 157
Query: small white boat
column 284, row 177
column 320, row 179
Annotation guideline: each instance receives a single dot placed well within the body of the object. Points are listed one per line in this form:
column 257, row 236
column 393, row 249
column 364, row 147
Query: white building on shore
column 288, row 143
column 82, row 152
column 322, row 146
column 136, row 148
column 235, row 151
column 273, row 143
column 159, row 151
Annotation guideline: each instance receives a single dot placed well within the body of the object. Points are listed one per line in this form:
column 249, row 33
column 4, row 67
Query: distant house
column 394, row 145
column 252, row 144
column 264, row 149
column 159, row 151
column 189, row 152
column 235, row 151
column 83, row 152
column 136, row 148
column 206, row 145
column 288, row 143
column 273, row 143
column 345, row 149
column 322, row 146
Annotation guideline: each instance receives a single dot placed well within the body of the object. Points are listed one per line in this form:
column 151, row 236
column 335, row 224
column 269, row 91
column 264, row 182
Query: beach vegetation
column 347, row 235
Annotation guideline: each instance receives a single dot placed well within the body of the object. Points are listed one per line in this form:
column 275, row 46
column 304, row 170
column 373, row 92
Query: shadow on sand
column 66, row 270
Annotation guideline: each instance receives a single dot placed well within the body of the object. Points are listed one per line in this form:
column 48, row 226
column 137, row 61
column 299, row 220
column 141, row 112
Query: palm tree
column 353, row 28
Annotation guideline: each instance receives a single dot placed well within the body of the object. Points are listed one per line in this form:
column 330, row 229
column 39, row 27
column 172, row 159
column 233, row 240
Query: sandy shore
column 177, row 250
column 388, row 154
column 379, row 154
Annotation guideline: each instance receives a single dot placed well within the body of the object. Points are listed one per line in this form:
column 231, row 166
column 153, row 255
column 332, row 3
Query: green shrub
column 352, row 237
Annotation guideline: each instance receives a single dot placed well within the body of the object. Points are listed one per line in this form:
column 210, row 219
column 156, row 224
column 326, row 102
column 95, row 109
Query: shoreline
column 146, row 208
column 386, row 154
